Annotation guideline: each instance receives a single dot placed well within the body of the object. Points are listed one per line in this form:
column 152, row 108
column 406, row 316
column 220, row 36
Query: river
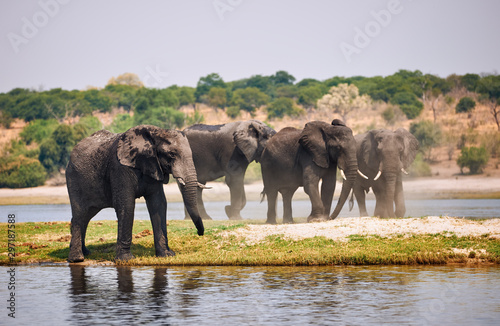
column 469, row 208
column 335, row 295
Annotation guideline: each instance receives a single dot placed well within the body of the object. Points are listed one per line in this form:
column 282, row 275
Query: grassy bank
column 49, row 242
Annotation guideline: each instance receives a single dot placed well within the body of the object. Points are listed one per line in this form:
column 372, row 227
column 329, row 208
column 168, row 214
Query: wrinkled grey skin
column 296, row 158
column 389, row 152
column 225, row 151
column 112, row 170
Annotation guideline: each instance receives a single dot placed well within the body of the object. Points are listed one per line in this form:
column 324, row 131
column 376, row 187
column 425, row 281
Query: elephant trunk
column 350, row 173
column 188, row 186
column 390, row 179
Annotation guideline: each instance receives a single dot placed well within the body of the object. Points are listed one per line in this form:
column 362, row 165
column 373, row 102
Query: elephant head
column 251, row 138
column 159, row 152
column 332, row 145
column 384, row 154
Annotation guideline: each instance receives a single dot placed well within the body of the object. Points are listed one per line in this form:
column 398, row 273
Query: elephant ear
column 410, row 147
column 136, row 149
column 368, row 148
column 246, row 139
column 312, row 139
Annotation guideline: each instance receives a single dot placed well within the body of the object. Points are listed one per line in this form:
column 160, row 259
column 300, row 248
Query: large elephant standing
column 382, row 156
column 112, row 170
column 225, row 151
column 296, row 158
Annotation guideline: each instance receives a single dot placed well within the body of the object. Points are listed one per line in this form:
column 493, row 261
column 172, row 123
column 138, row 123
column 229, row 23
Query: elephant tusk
column 202, row 186
column 181, row 181
column 378, row 175
column 404, row 171
column 343, row 174
column 361, row 174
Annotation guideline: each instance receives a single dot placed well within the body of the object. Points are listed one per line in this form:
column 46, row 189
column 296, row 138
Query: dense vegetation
column 59, row 118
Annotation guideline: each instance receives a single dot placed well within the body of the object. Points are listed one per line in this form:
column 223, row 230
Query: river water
column 469, row 208
column 400, row 295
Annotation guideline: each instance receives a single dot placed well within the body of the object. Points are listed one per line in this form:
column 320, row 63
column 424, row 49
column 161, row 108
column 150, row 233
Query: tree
column 309, row 95
column 185, row 95
column 249, row 99
column 466, row 104
column 127, row 78
column 489, row 88
column 343, row 99
column 206, row 83
column 163, row 117
column 282, row 78
column 283, row 106
column 428, row 135
column 408, row 103
column 473, row 158
column 470, row 81
column 217, row 97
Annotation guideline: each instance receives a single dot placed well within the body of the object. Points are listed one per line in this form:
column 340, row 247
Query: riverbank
column 343, row 241
column 457, row 186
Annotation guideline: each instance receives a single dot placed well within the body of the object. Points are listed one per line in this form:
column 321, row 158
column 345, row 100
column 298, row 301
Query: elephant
column 383, row 155
column 294, row 158
column 112, row 170
column 226, row 150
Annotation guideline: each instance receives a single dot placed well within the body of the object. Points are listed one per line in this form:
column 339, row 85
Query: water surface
column 402, row 295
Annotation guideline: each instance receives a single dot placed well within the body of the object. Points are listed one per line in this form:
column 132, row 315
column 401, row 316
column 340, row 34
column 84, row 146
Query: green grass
column 49, row 242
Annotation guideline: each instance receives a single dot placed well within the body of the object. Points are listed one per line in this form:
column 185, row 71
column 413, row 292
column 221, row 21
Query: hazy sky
column 73, row 44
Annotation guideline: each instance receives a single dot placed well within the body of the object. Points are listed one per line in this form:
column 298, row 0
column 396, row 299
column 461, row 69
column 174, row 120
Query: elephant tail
column 351, row 201
column 263, row 195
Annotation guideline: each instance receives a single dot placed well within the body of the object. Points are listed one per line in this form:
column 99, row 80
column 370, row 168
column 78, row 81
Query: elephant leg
column 327, row 190
column 238, row 199
column 360, row 195
column 272, row 196
column 79, row 223
column 311, row 183
column 125, row 214
column 380, row 200
column 399, row 198
column 157, row 208
column 287, row 205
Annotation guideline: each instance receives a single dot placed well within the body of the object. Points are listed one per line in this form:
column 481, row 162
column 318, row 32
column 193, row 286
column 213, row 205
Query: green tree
column 186, row 95
column 206, row 83
column 217, row 97
column 21, row 172
column 121, row 123
column 249, row 99
column 282, row 77
column 470, row 81
column 473, row 158
column 466, row 104
column 408, row 103
column 283, row 106
column 428, row 135
column 98, row 100
column 489, row 88
column 163, row 117
column 38, row 130
column 309, row 95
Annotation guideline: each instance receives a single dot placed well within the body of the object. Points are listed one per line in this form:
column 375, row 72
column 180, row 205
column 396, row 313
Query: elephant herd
column 112, row 170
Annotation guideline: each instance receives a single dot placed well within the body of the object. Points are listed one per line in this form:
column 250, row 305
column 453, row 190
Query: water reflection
column 410, row 295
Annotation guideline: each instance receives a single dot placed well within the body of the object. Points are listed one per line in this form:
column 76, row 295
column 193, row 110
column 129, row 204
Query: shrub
column 420, row 168
column 163, row 117
column 428, row 135
column 283, row 106
column 408, row 103
column 121, row 123
column 466, row 104
column 38, row 130
column 474, row 158
column 21, row 172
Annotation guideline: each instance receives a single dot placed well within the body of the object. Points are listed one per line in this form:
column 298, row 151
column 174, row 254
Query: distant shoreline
column 462, row 187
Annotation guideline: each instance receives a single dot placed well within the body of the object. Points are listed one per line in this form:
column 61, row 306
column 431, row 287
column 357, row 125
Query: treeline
column 49, row 137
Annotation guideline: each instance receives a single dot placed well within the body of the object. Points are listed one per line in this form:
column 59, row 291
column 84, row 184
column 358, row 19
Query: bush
column 38, row 130
column 420, row 168
column 163, row 117
column 21, row 172
column 466, row 104
column 121, row 123
column 473, row 158
column 283, row 106
column 428, row 135
column 408, row 103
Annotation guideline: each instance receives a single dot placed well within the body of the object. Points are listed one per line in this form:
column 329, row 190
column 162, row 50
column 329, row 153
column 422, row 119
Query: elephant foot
column 86, row 251
column 75, row 257
column 166, row 253
column 271, row 221
column 125, row 256
column 317, row 218
column 231, row 215
column 287, row 220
